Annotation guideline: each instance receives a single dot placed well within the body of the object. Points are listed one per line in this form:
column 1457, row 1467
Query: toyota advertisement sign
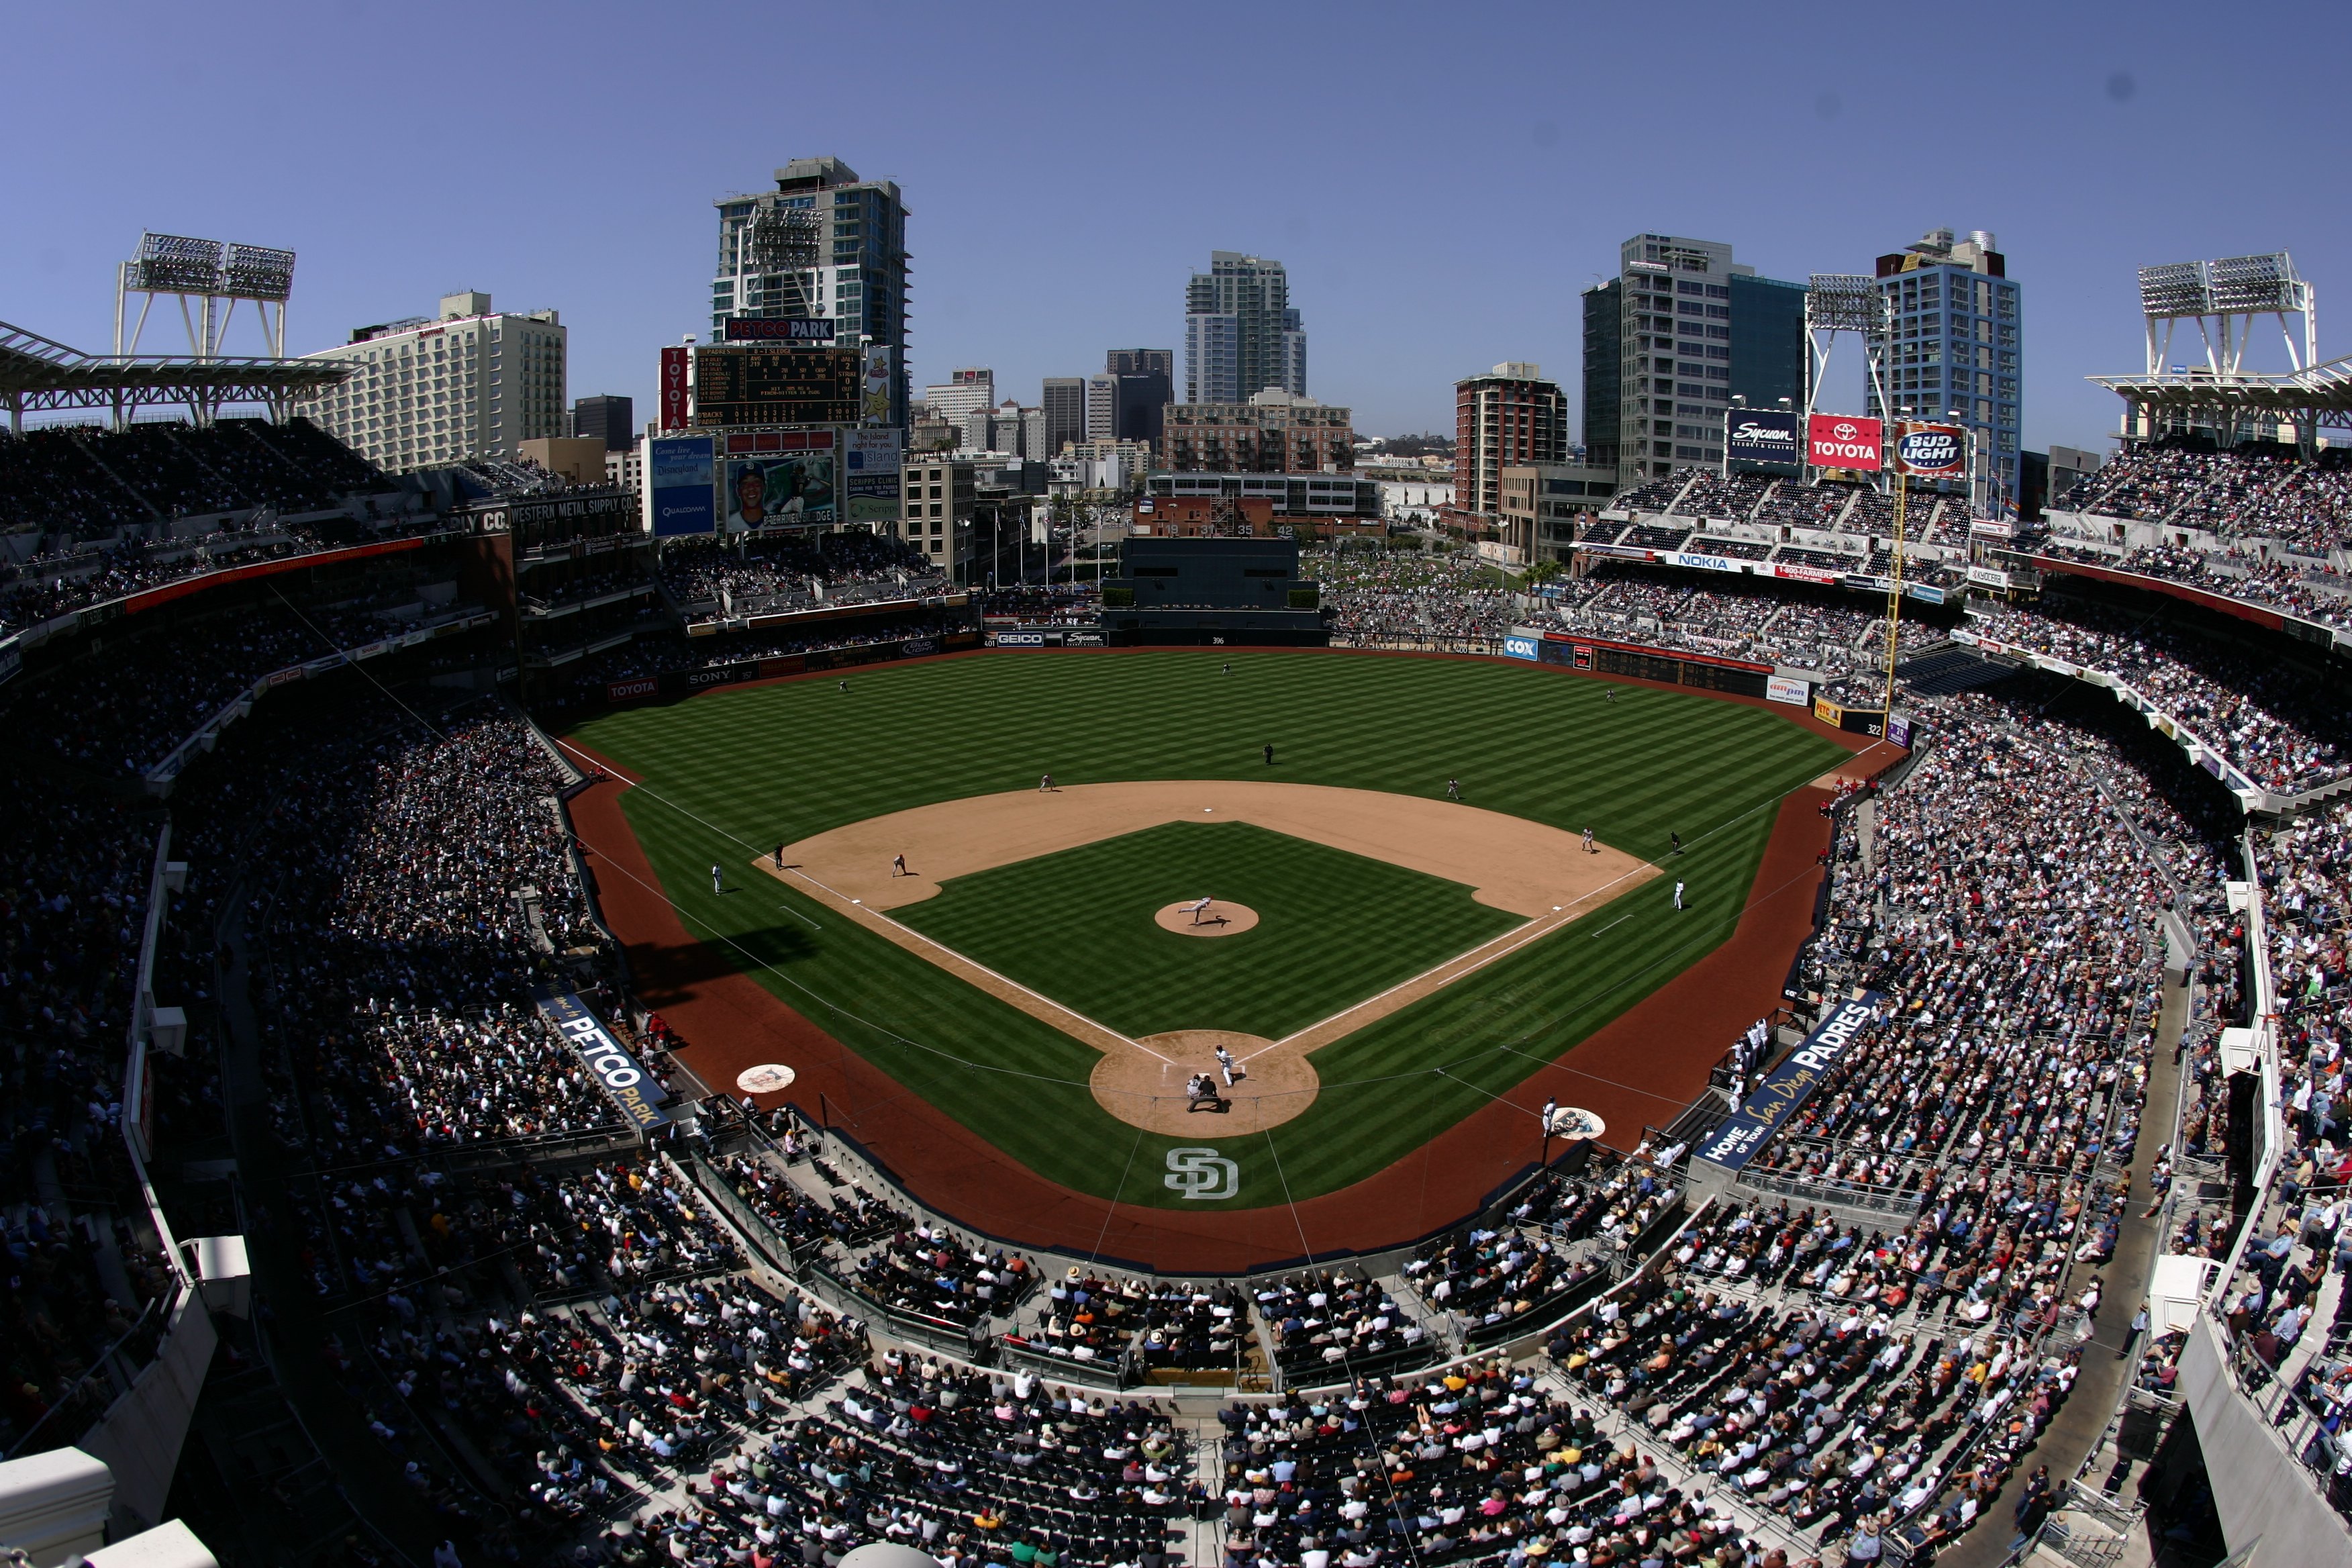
column 1931, row 451
column 1749, row 437
column 1843, row 441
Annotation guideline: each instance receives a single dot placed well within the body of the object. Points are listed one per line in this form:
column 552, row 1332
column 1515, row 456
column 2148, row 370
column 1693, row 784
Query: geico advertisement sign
column 1843, row 441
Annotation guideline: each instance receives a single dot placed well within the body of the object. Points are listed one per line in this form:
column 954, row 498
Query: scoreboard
column 776, row 384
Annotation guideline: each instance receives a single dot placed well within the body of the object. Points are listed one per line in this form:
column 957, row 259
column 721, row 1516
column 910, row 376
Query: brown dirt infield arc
column 1646, row 1065
column 1534, row 870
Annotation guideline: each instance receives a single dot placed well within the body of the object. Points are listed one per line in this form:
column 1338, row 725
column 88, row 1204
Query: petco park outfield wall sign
column 1843, row 441
column 618, row 1073
column 1790, row 1085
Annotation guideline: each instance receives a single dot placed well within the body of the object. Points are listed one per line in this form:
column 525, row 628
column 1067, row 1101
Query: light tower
column 1838, row 302
column 208, row 277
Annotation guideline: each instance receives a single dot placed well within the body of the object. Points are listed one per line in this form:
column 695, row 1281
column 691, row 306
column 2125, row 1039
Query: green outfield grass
column 1333, row 928
column 730, row 774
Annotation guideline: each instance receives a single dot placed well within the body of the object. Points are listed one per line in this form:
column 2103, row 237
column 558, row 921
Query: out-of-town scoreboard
column 776, row 383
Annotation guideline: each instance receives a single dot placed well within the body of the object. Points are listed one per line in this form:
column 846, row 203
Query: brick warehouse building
column 1273, row 433
column 1509, row 418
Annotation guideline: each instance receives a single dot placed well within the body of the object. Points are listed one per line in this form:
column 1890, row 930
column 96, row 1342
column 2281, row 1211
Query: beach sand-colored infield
column 1541, row 873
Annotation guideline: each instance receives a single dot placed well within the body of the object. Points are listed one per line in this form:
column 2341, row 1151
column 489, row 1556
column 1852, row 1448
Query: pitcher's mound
column 1220, row 918
column 1143, row 1091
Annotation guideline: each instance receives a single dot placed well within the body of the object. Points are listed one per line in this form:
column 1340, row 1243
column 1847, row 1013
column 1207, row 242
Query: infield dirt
column 1528, row 869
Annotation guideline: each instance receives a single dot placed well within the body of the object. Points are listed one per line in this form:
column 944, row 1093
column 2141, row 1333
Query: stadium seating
column 88, row 515
column 770, row 577
column 1391, row 599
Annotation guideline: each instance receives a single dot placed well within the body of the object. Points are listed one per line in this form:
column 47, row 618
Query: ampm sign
column 1517, row 646
column 621, row 1076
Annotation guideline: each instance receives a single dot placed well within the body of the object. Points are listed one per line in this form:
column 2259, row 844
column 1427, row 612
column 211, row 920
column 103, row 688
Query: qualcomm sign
column 1788, row 1086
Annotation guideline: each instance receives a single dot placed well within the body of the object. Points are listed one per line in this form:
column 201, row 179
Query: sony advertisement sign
column 1788, row 1086
column 639, row 1095
column 678, row 473
column 1752, row 436
column 1844, row 441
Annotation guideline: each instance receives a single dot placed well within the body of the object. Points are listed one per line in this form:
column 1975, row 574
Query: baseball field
column 1379, row 961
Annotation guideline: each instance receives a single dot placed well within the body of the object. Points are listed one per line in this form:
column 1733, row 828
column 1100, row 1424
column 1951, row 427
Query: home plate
column 769, row 1078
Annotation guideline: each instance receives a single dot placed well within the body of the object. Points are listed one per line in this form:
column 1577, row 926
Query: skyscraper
column 1670, row 339
column 1241, row 335
column 1064, row 403
column 1954, row 350
column 1129, row 401
column 608, row 419
column 470, row 382
column 822, row 244
column 1509, row 418
column 966, row 390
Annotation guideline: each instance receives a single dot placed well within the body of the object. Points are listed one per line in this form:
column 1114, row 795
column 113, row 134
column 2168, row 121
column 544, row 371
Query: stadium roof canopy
column 2320, row 394
column 37, row 375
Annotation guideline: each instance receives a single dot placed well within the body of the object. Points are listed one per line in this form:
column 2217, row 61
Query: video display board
column 776, row 383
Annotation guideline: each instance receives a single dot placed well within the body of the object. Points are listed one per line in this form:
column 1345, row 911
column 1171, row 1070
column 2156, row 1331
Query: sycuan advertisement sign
column 1751, row 436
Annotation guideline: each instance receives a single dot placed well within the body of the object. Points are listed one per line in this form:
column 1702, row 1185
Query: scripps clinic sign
column 1790, row 1085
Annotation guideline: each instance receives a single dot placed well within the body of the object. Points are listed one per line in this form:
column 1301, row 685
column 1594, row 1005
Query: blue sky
column 1440, row 180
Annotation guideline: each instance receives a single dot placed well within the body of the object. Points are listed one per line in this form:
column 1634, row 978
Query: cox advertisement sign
column 1519, row 646
column 1931, row 451
column 679, row 473
column 1756, row 437
column 1844, row 441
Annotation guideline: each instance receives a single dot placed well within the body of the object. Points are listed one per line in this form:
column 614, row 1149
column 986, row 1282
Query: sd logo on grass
column 1202, row 1174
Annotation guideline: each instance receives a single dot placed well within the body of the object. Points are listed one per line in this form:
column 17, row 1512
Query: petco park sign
column 1843, row 441
column 637, row 1091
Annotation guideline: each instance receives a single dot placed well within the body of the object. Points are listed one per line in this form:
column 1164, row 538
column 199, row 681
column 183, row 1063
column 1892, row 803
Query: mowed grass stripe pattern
column 1333, row 928
column 737, row 773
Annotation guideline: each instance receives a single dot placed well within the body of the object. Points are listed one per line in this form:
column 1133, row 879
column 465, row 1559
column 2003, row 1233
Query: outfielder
column 1678, row 895
column 717, row 884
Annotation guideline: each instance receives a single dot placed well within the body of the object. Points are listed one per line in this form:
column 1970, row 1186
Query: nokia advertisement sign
column 1751, row 436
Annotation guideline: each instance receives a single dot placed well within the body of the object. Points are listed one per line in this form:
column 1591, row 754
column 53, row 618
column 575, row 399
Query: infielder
column 717, row 884
column 1678, row 895
column 899, row 865
column 1198, row 908
column 1588, row 843
column 1044, row 782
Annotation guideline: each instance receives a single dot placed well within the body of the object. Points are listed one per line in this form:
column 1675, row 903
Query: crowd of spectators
column 1394, row 598
column 1330, row 1321
column 589, row 677
column 2276, row 724
column 89, row 515
column 750, row 575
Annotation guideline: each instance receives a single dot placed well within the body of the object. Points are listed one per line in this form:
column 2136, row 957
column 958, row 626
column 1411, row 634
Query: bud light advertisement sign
column 1932, row 451
column 1844, row 441
column 678, row 475
column 1752, row 436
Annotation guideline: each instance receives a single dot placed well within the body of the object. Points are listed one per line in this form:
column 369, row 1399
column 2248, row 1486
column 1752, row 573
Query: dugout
column 1197, row 590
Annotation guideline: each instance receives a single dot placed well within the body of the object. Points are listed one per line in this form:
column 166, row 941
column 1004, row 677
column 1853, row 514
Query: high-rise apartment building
column 823, row 245
column 1669, row 343
column 1953, row 352
column 1509, row 418
column 469, row 384
column 1241, row 335
column 609, row 419
column 1142, row 362
column 960, row 393
column 1065, row 405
